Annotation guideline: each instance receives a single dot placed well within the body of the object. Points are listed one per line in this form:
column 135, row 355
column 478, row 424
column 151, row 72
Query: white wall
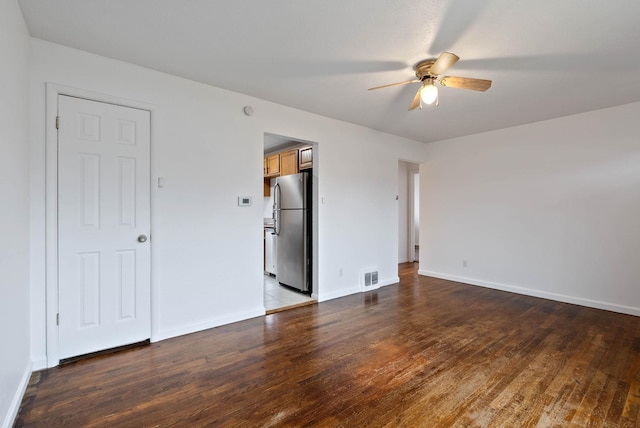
column 15, row 361
column 549, row 209
column 207, row 252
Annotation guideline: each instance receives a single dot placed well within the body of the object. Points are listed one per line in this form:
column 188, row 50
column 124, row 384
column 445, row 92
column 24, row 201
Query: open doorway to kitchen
column 290, row 222
column 408, row 211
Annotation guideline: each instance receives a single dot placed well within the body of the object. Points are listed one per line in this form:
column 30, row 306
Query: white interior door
column 103, row 223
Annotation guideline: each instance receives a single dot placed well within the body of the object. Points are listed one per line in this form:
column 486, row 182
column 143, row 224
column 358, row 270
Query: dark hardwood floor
column 426, row 352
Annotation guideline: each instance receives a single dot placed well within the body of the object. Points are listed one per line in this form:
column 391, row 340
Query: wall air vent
column 369, row 279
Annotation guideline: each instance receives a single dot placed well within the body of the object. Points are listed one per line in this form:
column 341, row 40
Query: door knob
column 142, row 238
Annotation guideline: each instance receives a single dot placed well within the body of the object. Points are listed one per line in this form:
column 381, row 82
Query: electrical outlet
column 464, row 263
column 340, row 272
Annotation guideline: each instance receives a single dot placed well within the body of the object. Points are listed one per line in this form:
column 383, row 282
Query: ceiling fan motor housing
column 423, row 69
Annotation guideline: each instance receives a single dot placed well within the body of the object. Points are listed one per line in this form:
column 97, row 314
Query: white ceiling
column 547, row 58
column 275, row 143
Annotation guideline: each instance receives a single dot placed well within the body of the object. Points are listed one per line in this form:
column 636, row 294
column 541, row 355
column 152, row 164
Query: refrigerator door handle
column 276, row 209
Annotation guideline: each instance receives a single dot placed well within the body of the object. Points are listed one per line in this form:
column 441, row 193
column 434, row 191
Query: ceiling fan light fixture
column 429, row 92
column 428, row 72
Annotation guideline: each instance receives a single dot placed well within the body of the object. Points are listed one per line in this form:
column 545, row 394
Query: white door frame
column 51, row 203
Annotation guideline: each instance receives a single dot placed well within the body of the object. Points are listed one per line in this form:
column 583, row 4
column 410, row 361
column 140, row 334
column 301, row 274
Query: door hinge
column 57, row 122
column 57, row 319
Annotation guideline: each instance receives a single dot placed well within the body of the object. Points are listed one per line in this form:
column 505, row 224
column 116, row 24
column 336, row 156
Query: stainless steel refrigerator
column 292, row 214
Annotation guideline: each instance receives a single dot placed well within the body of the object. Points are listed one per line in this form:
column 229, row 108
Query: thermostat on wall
column 244, row 201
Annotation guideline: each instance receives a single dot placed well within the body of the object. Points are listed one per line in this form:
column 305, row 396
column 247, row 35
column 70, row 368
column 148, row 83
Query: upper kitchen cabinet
column 272, row 165
column 286, row 163
column 289, row 162
column 305, row 156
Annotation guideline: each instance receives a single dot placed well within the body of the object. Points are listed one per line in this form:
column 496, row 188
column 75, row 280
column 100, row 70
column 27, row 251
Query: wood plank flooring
column 426, row 352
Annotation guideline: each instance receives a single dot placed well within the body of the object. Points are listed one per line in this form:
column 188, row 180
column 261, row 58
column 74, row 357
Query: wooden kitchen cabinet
column 305, row 158
column 272, row 165
column 289, row 162
column 286, row 163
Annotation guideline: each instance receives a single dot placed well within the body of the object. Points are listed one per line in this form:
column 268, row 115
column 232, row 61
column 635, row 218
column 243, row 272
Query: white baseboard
column 205, row 325
column 597, row 304
column 323, row 297
column 215, row 322
column 14, row 407
column 390, row 281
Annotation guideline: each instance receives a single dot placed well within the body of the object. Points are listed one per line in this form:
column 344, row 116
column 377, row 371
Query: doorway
column 408, row 211
column 414, row 223
column 287, row 158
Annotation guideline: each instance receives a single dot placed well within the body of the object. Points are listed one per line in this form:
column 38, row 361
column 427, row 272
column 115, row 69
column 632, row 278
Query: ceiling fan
column 429, row 71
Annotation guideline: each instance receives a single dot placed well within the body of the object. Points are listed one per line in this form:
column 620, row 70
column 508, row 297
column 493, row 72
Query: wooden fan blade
column 393, row 84
column 416, row 101
column 442, row 64
column 466, row 83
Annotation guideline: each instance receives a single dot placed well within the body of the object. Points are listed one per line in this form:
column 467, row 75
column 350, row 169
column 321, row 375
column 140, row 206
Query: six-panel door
column 103, row 210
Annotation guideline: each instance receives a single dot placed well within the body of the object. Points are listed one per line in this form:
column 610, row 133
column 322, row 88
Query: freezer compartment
column 293, row 250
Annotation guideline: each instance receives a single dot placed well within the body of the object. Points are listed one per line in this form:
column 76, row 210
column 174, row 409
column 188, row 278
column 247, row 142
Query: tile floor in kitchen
column 277, row 296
